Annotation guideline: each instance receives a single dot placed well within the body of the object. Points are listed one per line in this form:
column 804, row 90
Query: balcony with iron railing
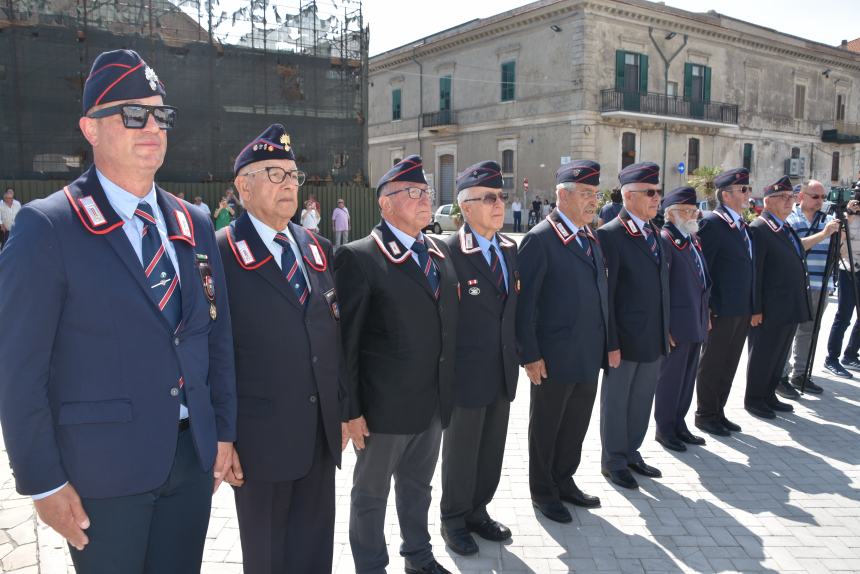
column 677, row 108
column 840, row 131
column 438, row 119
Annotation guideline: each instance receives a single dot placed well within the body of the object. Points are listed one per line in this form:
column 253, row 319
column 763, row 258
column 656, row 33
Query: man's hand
column 235, row 476
column 614, row 358
column 357, row 432
column 536, row 371
column 672, row 342
column 756, row 319
column 344, row 435
column 709, row 324
column 223, row 462
column 64, row 512
column 831, row 228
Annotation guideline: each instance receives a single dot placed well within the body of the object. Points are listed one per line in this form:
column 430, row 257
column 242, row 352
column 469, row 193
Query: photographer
column 814, row 227
column 846, row 301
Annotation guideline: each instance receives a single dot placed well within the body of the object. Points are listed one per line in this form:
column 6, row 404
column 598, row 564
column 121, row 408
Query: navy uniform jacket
column 729, row 264
column 90, row 366
column 688, row 311
column 782, row 281
column 563, row 311
column 487, row 362
column 288, row 360
column 638, row 291
column 399, row 343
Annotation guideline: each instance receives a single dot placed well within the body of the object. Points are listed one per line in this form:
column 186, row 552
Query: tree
column 702, row 180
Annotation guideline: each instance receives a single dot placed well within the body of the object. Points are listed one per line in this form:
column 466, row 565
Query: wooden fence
column 360, row 200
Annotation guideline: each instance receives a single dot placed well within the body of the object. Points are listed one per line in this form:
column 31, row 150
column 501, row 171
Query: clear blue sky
column 828, row 21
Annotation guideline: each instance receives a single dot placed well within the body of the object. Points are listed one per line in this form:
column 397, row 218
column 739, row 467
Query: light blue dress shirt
column 267, row 234
column 736, row 218
column 407, row 240
column 484, row 244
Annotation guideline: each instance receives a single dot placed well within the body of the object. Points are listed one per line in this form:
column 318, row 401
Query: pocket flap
column 113, row 411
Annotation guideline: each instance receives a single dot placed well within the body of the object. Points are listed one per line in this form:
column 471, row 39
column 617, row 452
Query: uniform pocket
column 113, row 411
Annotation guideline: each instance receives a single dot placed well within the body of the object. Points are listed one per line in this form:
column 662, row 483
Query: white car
column 442, row 220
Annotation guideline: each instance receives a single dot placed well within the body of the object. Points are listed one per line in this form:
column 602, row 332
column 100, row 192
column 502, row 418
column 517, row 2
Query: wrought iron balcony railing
column 663, row 105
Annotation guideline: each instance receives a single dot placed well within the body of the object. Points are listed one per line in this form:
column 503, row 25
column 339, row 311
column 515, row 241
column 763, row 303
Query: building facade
column 618, row 82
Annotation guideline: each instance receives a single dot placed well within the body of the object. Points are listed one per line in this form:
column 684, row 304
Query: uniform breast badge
column 208, row 283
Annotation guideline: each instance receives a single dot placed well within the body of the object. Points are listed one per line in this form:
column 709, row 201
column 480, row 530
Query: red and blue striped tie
column 496, row 271
column 290, row 267
column 159, row 271
column 427, row 266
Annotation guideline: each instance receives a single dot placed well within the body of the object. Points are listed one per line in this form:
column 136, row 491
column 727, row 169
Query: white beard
column 691, row 226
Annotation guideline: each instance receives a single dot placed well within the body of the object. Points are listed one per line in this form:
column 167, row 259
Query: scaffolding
column 231, row 67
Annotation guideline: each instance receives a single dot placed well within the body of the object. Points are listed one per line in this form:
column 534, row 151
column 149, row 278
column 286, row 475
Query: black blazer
column 638, row 291
column 399, row 342
column 487, row 362
column 288, row 359
column 782, row 281
column 688, row 311
column 729, row 264
column 563, row 311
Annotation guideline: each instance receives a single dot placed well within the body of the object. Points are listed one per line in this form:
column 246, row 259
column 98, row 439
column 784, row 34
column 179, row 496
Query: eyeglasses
column 782, row 196
column 649, row 192
column 688, row 211
column 414, row 193
column 742, row 189
column 490, row 198
column 136, row 116
column 279, row 174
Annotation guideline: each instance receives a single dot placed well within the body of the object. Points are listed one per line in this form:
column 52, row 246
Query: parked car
column 441, row 221
column 756, row 205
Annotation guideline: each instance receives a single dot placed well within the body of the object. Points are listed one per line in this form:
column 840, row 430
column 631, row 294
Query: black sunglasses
column 135, row 116
column 489, row 198
column 648, row 192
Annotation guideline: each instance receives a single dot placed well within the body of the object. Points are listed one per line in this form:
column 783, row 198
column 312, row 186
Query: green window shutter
column 707, row 85
column 688, row 81
column 508, row 81
column 444, row 93
column 619, row 69
column 395, row 104
column 643, row 74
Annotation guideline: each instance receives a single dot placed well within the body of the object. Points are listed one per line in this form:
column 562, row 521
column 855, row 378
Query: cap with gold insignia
column 273, row 143
column 482, row 174
column 780, row 185
column 120, row 75
column 579, row 171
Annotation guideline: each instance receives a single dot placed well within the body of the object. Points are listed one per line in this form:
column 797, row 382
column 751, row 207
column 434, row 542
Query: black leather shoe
column 690, row 438
column 555, row 511
column 578, row 498
column 671, row 443
column 837, row 369
column 460, row 541
column 810, row 387
column 730, row 425
column 713, row 427
column 645, row 470
column 762, row 411
column 785, row 390
column 431, row 568
column 490, row 530
column 851, row 363
column 622, row 478
column 779, row 406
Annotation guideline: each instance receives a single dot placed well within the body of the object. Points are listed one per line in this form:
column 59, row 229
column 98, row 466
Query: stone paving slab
column 782, row 496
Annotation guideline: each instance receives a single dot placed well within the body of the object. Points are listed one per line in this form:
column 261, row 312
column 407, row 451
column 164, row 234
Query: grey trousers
column 802, row 339
column 626, row 397
column 411, row 460
column 341, row 237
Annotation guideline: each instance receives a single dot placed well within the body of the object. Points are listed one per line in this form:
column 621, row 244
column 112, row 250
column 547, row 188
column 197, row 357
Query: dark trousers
column 720, row 356
column 675, row 389
column 289, row 526
column 558, row 420
column 844, row 312
column 156, row 532
column 473, row 447
column 411, row 460
column 518, row 221
column 769, row 345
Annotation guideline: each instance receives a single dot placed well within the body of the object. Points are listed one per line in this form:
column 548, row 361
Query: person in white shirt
column 9, row 209
column 310, row 217
column 517, row 210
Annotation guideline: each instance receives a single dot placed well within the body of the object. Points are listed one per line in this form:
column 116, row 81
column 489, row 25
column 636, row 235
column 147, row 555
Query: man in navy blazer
column 728, row 245
column 117, row 394
column 562, row 332
column 689, row 287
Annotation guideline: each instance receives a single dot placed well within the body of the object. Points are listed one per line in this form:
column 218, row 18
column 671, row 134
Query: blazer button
column 312, row 398
column 314, row 359
column 176, row 341
column 441, row 359
column 174, row 392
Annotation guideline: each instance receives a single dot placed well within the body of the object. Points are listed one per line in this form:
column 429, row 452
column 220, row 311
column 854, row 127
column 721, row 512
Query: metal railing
column 440, row 118
column 663, row 105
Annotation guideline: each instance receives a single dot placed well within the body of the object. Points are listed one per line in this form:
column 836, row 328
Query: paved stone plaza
column 782, row 496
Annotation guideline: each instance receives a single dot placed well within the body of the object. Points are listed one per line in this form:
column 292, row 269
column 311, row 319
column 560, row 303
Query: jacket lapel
column 784, row 232
column 314, row 258
column 397, row 254
column 180, row 231
column 470, row 248
column 636, row 235
column 567, row 236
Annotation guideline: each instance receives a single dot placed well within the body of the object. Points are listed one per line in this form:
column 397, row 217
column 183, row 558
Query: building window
column 799, row 101
column 445, row 93
column 628, row 149
column 395, row 161
column 834, row 168
column 509, row 78
column 631, row 72
column 840, row 107
column 672, row 89
column 692, row 155
column 446, row 179
column 795, row 153
column 748, row 156
column 395, row 104
column 697, row 83
column 508, row 170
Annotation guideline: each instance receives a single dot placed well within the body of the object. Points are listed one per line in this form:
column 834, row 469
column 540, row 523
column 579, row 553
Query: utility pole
column 666, row 62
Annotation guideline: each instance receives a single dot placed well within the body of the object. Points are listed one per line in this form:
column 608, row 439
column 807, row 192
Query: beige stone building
column 617, row 81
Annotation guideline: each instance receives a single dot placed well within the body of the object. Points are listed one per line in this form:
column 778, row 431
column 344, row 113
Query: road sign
column 681, row 167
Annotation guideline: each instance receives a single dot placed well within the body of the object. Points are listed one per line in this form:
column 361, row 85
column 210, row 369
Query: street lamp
column 666, row 61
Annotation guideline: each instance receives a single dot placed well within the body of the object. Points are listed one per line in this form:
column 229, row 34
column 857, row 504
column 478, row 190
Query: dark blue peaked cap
column 737, row 176
column 120, row 75
column 273, row 143
column 644, row 172
column 782, row 184
column 482, row 174
column 407, row 169
column 680, row 196
column 579, row 171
